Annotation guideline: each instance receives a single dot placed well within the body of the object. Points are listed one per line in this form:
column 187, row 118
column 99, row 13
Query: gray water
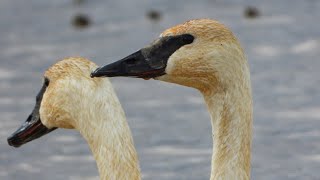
column 170, row 123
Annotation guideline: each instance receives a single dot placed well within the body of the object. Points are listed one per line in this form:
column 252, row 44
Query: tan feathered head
column 197, row 53
column 66, row 84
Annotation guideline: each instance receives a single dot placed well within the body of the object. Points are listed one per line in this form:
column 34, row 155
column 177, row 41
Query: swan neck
column 106, row 131
column 231, row 119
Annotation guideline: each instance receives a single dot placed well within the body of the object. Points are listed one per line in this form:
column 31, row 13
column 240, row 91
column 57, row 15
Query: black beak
column 31, row 129
column 134, row 65
column 148, row 62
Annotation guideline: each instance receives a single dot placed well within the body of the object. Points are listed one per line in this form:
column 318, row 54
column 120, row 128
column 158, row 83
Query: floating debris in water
column 251, row 12
column 81, row 21
column 154, row 15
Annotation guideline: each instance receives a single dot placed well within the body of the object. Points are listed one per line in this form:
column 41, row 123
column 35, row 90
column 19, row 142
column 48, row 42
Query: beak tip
column 9, row 141
column 12, row 143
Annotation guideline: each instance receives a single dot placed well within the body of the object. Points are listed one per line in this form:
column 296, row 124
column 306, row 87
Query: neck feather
column 106, row 130
column 231, row 118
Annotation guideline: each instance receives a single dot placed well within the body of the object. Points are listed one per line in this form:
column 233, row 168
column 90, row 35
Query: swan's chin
column 161, row 78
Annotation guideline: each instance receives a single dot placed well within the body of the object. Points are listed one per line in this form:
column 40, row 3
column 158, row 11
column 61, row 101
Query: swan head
column 59, row 101
column 198, row 53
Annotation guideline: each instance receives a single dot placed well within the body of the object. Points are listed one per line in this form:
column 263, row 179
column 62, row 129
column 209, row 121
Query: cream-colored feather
column 215, row 64
column 74, row 100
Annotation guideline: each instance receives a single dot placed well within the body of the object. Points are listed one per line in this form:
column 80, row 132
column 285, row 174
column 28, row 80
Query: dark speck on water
column 154, row 15
column 81, row 21
column 251, row 12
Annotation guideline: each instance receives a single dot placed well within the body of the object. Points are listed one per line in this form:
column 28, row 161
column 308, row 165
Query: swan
column 203, row 54
column 70, row 99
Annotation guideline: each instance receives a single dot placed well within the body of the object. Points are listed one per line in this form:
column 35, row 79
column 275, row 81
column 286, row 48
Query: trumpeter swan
column 203, row 54
column 70, row 99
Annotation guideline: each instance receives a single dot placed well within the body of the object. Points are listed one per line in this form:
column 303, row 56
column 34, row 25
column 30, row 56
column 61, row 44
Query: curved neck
column 105, row 128
column 231, row 118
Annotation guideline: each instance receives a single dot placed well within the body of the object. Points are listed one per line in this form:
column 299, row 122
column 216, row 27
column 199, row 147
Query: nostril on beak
column 131, row 61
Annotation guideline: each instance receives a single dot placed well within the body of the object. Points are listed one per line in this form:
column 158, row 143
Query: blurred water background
column 170, row 123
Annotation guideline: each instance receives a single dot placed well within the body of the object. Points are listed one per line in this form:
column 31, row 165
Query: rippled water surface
column 170, row 123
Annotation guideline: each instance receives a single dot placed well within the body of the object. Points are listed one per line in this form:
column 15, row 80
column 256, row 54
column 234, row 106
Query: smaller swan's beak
column 134, row 65
column 31, row 129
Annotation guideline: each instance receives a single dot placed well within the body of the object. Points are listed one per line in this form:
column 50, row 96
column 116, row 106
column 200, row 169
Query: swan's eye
column 187, row 38
column 46, row 81
column 43, row 89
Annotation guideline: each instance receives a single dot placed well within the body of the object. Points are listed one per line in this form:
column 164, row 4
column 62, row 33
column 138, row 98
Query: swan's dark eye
column 187, row 38
column 43, row 89
column 46, row 81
